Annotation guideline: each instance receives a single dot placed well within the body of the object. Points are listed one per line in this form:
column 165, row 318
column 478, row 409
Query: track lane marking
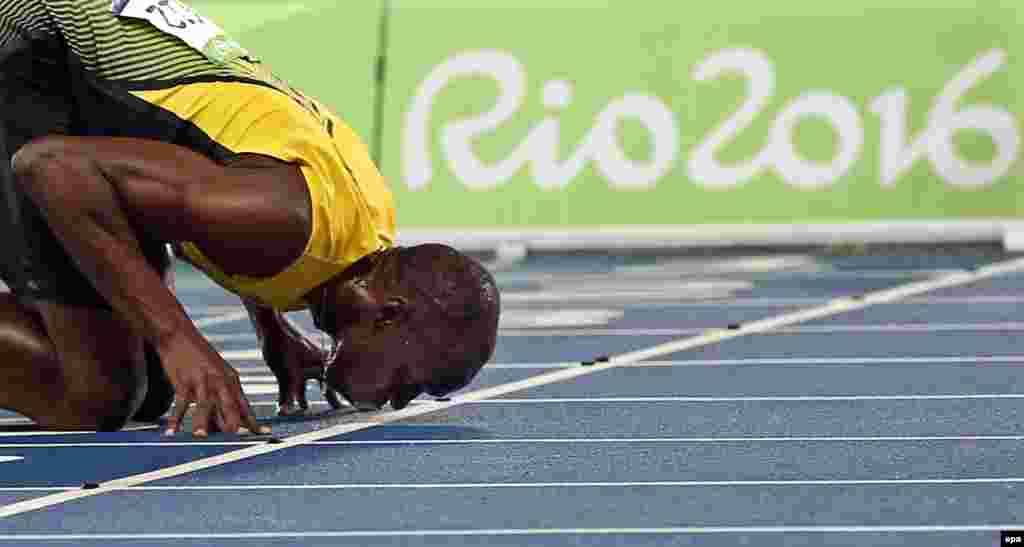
column 528, row 440
column 833, row 307
column 527, row 485
column 753, row 398
column 786, row 361
column 681, row 530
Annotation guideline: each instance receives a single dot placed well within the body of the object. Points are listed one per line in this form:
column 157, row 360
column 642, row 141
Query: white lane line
column 237, row 337
column 247, row 355
column 738, row 399
column 257, row 379
column 794, row 301
column 569, row 330
column 675, row 531
column 587, row 440
column 939, row 360
column 221, row 319
column 491, row 532
column 260, row 389
column 615, row 293
column 745, row 302
column 595, row 484
column 36, row 433
column 8, row 459
column 834, row 307
column 590, row 331
column 242, row 355
column 212, row 310
column 515, row 485
column 927, row 328
column 789, row 361
column 270, row 390
column 906, row 327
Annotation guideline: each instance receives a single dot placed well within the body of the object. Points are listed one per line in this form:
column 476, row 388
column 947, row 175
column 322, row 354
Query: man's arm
column 97, row 193
column 291, row 356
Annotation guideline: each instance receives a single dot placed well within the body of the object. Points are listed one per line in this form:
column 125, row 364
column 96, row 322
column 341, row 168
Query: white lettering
column 417, row 160
column 936, row 141
column 539, row 149
column 755, row 67
column 840, row 113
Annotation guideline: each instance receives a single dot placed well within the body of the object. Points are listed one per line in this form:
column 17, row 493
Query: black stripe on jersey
column 141, row 60
column 119, row 102
column 116, row 48
column 151, row 85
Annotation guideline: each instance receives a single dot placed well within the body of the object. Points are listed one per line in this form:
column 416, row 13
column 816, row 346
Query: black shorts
column 36, row 100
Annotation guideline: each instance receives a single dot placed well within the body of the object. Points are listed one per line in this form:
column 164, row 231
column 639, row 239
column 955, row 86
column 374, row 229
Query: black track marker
column 90, row 485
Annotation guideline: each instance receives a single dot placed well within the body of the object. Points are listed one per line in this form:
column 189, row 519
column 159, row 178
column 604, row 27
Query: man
column 136, row 124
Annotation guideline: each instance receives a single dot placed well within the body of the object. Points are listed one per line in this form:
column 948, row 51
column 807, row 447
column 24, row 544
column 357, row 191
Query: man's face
column 378, row 356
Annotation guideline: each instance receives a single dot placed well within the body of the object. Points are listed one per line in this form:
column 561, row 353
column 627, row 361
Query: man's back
column 109, row 46
column 157, row 70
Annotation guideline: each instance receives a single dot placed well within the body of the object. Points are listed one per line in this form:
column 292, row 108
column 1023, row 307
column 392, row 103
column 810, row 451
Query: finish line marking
column 834, row 307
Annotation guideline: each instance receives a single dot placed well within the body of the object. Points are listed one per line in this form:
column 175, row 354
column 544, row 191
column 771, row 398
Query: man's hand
column 291, row 356
column 294, row 360
column 100, row 195
column 201, row 376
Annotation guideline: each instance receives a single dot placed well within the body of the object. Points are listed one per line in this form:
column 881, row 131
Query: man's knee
column 101, row 362
column 104, row 404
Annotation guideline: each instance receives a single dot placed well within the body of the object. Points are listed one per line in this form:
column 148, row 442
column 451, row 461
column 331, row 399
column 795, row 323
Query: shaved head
column 464, row 329
column 407, row 321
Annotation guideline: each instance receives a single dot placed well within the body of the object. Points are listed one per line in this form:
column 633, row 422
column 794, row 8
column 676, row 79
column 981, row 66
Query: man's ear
column 393, row 310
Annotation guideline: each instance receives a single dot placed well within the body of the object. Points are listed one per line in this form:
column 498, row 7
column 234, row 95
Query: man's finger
column 243, row 412
column 177, row 416
column 201, row 418
column 249, row 420
column 203, row 412
column 229, row 408
column 219, row 420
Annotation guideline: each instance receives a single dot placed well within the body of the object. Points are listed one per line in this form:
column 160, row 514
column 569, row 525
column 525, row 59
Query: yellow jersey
column 353, row 212
column 156, row 69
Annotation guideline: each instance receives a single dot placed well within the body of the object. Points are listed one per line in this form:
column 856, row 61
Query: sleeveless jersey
column 158, row 69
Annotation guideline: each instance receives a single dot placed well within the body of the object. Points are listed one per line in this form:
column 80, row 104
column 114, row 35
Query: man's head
column 406, row 321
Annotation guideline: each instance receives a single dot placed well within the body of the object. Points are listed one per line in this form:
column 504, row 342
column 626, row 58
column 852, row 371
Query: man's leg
column 67, row 361
column 68, row 367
